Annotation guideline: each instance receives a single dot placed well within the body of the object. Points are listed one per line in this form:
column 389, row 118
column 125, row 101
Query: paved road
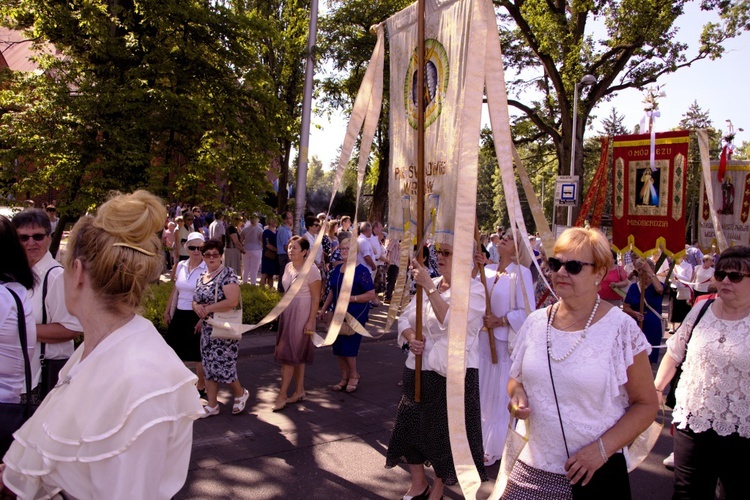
column 333, row 444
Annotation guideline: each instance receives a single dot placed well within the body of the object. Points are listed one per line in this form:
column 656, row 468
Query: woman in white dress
column 581, row 378
column 505, row 284
column 119, row 423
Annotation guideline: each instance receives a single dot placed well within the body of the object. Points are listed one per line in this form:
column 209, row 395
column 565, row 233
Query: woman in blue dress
column 652, row 325
column 346, row 347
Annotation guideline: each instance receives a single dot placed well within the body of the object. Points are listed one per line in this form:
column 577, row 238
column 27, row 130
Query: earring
column 596, row 283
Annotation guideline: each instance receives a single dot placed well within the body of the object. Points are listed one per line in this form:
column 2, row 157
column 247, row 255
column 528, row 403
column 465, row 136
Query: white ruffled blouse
column 714, row 389
column 589, row 383
column 120, row 426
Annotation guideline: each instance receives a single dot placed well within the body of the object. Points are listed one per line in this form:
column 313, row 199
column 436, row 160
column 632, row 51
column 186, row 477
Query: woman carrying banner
column 712, row 438
column 650, row 319
column 421, row 434
column 581, row 380
column 346, row 346
column 505, row 282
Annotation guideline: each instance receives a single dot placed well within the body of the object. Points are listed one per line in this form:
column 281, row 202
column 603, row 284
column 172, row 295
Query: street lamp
column 586, row 81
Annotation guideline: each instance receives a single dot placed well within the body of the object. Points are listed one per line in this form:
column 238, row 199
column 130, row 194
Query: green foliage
column 167, row 95
column 548, row 50
column 256, row 303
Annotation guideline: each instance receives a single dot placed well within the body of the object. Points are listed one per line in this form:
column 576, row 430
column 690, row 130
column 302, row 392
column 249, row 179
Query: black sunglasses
column 193, row 249
column 734, row 276
column 36, row 236
column 572, row 266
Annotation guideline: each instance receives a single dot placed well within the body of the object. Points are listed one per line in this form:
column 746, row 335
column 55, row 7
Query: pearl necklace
column 578, row 341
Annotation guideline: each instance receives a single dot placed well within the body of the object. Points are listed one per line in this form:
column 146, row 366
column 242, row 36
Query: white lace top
column 589, row 383
column 714, row 390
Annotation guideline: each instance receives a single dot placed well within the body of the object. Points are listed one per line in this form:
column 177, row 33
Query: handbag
column 226, row 324
column 14, row 415
column 50, row 367
column 643, row 444
column 515, row 442
column 269, row 254
column 611, row 479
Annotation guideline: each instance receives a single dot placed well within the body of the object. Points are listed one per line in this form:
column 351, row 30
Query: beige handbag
column 515, row 442
column 643, row 444
column 226, row 324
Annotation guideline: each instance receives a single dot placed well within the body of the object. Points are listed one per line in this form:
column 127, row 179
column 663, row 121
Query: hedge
column 256, row 303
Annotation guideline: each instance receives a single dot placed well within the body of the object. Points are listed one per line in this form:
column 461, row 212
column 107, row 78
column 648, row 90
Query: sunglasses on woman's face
column 572, row 266
column 211, row 255
column 36, row 237
column 194, row 248
column 734, row 276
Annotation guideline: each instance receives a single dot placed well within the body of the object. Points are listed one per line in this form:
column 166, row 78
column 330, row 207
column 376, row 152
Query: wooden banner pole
column 488, row 300
column 419, row 94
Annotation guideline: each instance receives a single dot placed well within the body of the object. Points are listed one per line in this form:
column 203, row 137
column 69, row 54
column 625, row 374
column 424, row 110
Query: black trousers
column 283, row 260
column 702, row 458
column 390, row 281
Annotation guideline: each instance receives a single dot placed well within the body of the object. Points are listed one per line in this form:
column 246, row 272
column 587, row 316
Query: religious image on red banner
column 731, row 200
column 649, row 200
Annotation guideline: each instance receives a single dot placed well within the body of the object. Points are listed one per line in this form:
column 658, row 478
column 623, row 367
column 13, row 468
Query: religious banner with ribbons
column 649, row 201
column 597, row 191
column 731, row 202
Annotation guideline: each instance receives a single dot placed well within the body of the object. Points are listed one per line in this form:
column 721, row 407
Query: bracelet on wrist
column 602, row 450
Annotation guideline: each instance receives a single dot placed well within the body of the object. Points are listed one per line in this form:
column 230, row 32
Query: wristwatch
column 431, row 291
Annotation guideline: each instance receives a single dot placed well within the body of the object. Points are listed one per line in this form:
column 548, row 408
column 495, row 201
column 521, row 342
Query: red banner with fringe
column 649, row 204
column 597, row 190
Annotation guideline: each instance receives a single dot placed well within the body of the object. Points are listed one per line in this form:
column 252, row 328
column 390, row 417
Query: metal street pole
column 585, row 82
column 304, row 137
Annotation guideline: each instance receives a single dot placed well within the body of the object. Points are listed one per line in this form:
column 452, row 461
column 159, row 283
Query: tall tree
column 548, row 45
column 160, row 94
column 347, row 44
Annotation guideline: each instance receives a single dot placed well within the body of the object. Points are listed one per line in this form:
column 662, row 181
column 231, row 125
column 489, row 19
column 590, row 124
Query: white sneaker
column 669, row 461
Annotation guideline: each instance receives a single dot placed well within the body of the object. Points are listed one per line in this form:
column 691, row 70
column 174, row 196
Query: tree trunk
column 283, row 195
column 379, row 207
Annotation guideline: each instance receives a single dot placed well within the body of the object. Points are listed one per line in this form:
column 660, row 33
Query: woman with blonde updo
column 119, row 423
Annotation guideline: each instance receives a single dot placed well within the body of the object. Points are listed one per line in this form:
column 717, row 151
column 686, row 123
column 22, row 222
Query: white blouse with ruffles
column 589, row 383
column 714, row 389
column 435, row 354
column 120, row 427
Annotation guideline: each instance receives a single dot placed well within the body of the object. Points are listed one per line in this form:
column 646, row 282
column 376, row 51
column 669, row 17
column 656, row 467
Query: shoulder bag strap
column 24, row 346
column 700, row 315
column 552, row 379
column 44, row 306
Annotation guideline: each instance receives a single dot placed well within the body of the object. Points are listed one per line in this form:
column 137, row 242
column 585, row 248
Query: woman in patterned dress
column 218, row 290
column 712, row 410
column 597, row 359
column 294, row 347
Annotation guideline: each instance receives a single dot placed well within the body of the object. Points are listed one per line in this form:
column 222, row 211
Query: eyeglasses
column 444, row 253
column 194, row 248
column 734, row 276
column 211, row 255
column 36, row 236
column 572, row 266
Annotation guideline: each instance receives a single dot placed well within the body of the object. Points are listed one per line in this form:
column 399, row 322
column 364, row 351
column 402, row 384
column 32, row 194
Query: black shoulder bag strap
column 690, row 332
column 44, row 307
column 24, row 347
column 552, row 379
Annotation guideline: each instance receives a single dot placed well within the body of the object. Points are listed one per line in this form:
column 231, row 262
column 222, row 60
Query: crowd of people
column 573, row 360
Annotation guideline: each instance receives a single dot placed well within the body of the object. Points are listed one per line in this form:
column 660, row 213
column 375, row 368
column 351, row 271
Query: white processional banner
column 450, row 98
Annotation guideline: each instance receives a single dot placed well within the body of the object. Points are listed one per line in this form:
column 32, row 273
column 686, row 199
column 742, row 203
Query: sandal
column 342, row 383
column 352, row 386
column 297, row 399
column 240, row 402
column 210, row 412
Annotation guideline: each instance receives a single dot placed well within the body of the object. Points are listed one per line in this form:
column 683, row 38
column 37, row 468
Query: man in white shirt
column 493, row 249
column 252, row 242
column 313, row 228
column 55, row 335
column 365, row 255
column 217, row 230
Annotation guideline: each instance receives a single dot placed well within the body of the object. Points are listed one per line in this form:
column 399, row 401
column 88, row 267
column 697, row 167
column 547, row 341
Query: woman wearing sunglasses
column 650, row 318
column 581, row 378
column 179, row 316
column 711, row 415
column 420, row 435
column 505, row 286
